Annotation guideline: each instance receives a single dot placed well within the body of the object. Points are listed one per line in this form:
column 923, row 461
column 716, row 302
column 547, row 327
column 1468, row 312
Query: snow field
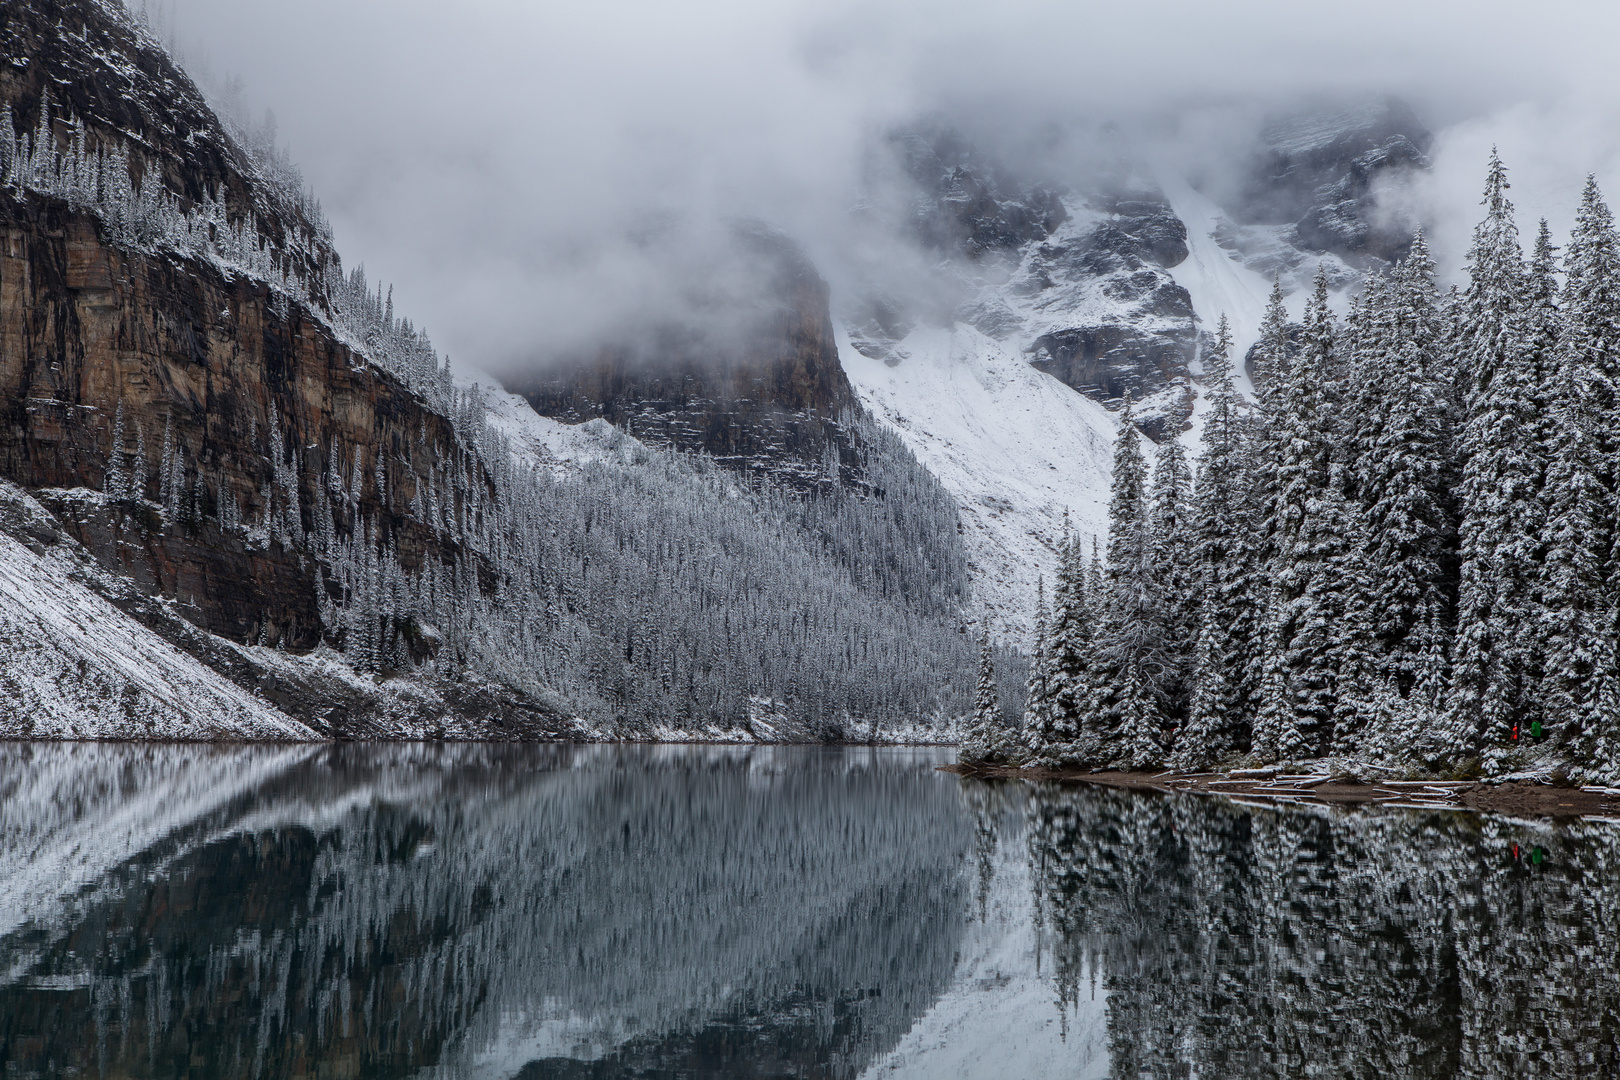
column 73, row 666
column 1015, row 446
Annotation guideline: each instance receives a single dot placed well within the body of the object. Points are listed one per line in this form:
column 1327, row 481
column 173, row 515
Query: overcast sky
column 486, row 155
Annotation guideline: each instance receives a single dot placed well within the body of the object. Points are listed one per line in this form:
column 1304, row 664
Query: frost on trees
column 638, row 596
column 1401, row 555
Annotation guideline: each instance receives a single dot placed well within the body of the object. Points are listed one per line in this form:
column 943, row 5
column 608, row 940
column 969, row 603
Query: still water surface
column 663, row 912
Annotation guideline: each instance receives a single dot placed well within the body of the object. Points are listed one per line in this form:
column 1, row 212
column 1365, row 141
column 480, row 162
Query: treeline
column 1403, row 553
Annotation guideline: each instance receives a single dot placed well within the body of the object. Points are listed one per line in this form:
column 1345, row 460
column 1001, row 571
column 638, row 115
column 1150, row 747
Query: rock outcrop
column 1077, row 280
column 755, row 383
column 1319, row 172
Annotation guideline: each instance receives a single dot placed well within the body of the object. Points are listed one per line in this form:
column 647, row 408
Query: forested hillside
column 1401, row 555
column 218, row 411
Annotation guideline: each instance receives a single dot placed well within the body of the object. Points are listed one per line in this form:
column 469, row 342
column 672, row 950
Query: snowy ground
column 1015, row 446
column 73, row 666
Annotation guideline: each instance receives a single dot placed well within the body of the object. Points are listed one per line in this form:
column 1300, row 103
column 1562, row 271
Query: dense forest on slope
column 291, row 463
column 1402, row 554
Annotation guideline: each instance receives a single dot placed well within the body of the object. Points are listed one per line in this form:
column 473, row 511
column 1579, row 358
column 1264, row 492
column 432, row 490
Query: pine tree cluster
column 1402, row 555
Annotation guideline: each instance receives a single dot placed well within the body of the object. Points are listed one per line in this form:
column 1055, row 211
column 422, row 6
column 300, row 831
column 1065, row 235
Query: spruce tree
column 1403, row 474
column 1037, row 696
column 1068, row 659
column 1132, row 655
column 984, row 736
column 137, row 479
column 1500, row 494
column 1172, row 574
column 1582, row 593
column 1299, row 681
column 1224, row 555
column 116, row 481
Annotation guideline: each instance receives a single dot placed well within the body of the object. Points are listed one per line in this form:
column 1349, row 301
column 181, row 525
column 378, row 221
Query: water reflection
column 1234, row 941
column 700, row 912
column 473, row 910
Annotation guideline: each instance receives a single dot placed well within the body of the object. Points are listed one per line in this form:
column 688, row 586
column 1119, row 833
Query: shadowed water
column 653, row 912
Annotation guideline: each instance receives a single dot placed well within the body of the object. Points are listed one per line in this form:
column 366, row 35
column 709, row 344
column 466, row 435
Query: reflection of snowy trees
column 386, row 909
column 1276, row 943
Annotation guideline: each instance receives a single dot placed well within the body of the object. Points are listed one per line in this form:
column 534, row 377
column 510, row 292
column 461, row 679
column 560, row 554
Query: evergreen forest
column 1401, row 554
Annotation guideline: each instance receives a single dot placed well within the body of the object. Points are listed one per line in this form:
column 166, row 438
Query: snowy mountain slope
column 66, row 827
column 999, row 1017
column 1217, row 282
column 72, row 665
column 1015, row 446
column 541, row 441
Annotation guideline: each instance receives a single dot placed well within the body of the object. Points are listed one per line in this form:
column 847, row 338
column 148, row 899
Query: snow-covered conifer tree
column 1132, row 656
column 115, row 483
column 1403, row 460
column 1501, row 511
column 1226, row 619
column 1581, row 591
column 984, row 741
column 1172, row 572
column 1037, row 698
column 1066, row 660
column 137, row 479
column 1296, row 710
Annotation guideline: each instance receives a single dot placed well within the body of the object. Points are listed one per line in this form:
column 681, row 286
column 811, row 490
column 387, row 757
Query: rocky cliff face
column 209, row 439
column 90, row 333
column 755, row 382
column 1317, row 175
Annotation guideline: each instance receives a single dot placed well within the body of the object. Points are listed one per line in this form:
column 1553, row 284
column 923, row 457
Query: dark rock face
column 970, row 204
column 1318, row 171
column 759, row 388
column 1142, row 228
column 1103, row 314
column 1075, row 279
column 86, row 328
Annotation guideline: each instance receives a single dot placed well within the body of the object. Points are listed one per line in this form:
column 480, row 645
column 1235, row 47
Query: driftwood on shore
column 1274, row 786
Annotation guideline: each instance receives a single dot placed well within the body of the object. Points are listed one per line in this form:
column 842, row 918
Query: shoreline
column 1519, row 797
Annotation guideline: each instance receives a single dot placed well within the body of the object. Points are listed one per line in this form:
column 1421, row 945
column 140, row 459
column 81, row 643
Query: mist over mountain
column 497, row 162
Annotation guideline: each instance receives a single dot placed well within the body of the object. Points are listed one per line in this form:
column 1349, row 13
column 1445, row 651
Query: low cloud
column 499, row 159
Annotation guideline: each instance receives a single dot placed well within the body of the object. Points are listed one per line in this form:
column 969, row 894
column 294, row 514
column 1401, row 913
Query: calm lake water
column 663, row 912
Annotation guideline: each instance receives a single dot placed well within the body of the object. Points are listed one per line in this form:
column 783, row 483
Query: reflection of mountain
column 486, row 911
column 1276, row 943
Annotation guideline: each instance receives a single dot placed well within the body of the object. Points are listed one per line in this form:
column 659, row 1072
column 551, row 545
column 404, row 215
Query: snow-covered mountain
column 303, row 523
column 1062, row 302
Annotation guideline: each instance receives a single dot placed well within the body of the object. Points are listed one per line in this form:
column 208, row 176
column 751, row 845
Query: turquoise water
column 663, row 912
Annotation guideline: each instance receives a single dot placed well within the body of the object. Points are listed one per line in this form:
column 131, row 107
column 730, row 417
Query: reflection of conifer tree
column 1276, row 942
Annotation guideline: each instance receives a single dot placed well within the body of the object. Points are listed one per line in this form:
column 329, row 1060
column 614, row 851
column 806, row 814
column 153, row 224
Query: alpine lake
column 538, row 911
